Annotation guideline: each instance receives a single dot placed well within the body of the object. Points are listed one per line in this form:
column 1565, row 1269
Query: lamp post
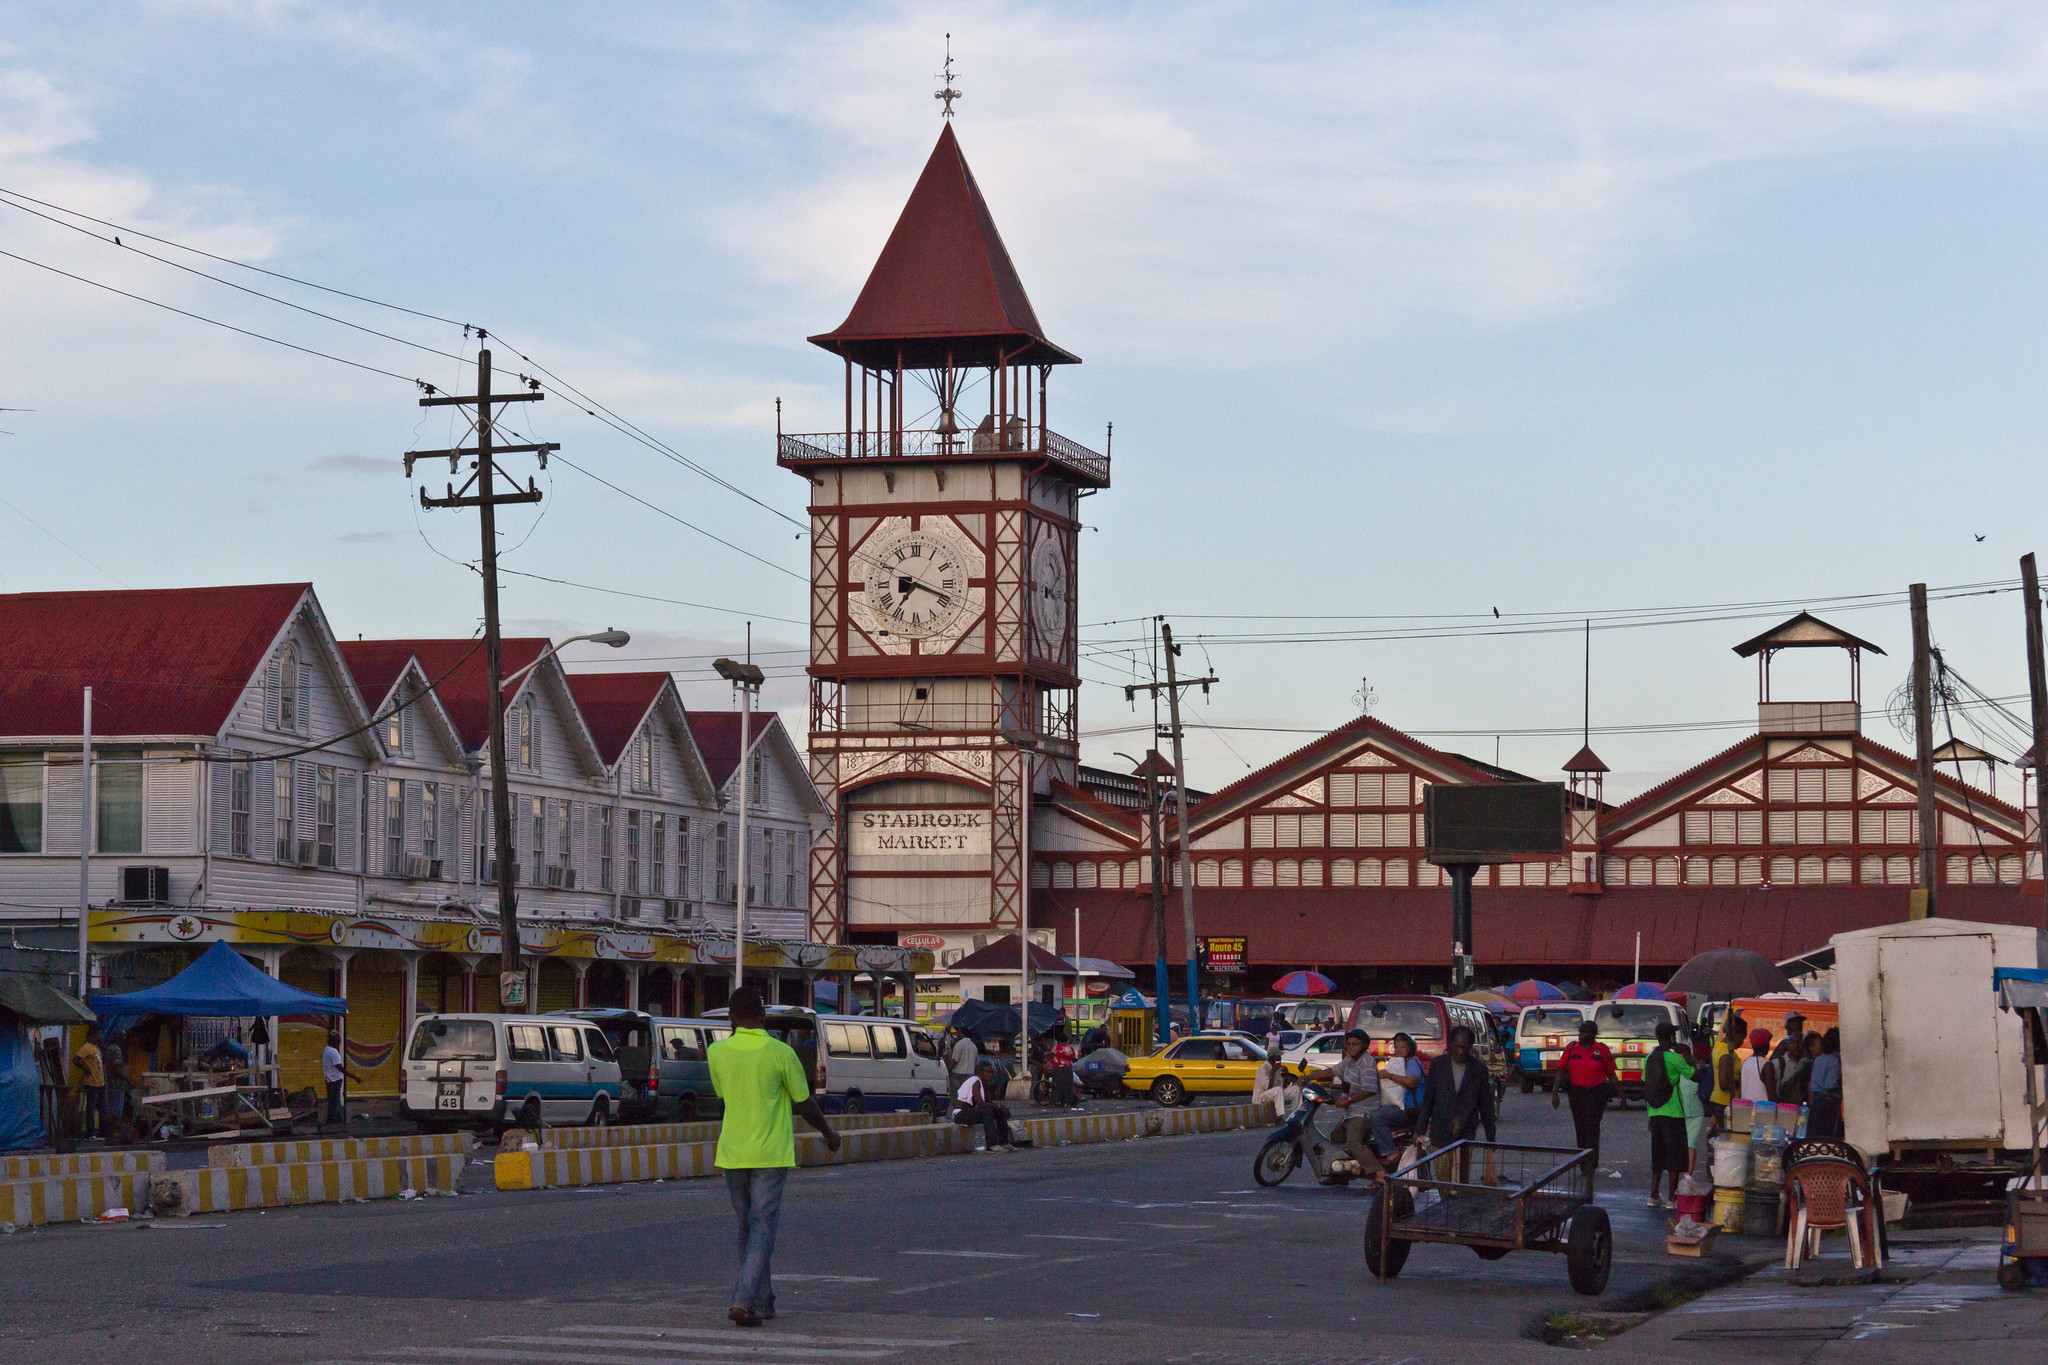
column 1026, row 745
column 748, row 679
column 511, row 976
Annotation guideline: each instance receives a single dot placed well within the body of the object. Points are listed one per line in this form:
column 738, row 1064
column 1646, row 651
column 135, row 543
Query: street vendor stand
column 2026, row 1250
column 33, row 1107
column 220, row 984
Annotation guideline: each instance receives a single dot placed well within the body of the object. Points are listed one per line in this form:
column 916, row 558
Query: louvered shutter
column 373, row 819
column 448, row 839
column 576, row 837
column 218, row 800
column 305, row 707
column 415, row 801
column 263, row 809
column 305, row 800
column 345, row 838
column 696, row 891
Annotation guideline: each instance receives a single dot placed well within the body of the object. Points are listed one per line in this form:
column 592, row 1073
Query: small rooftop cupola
column 2030, row 802
column 1963, row 759
column 1586, row 777
column 1807, row 631
column 944, row 306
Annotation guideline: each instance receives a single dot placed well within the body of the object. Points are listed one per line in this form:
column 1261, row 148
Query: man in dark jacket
column 1459, row 1094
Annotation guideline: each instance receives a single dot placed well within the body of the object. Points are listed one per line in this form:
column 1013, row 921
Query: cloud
column 381, row 466
column 370, row 537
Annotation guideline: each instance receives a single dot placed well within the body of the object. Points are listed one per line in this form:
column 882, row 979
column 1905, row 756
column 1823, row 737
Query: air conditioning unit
column 305, row 858
column 555, row 877
column 417, row 867
column 146, row 885
column 674, row 910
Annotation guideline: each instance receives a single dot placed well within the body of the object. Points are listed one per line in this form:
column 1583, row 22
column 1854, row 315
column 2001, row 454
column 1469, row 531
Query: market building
column 322, row 805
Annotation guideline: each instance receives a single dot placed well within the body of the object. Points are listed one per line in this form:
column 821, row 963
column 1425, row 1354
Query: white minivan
column 872, row 1064
column 482, row 1070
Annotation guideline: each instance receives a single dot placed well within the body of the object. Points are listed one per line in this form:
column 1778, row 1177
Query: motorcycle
column 1303, row 1138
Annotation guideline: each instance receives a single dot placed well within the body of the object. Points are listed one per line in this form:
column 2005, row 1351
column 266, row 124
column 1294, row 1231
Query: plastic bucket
column 1728, row 1210
column 1731, row 1163
column 1760, row 1213
column 1693, row 1206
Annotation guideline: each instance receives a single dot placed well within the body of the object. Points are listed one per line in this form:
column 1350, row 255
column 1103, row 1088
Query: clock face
column 1049, row 592
column 917, row 582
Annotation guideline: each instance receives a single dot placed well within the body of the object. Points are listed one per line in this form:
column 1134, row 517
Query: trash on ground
column 114, row 1215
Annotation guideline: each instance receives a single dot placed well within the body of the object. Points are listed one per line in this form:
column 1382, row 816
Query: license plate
column 1550, row 1057
column 448, row 1102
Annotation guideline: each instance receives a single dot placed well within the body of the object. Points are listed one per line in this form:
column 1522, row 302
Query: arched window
column 288, row 690
column 526, row 734
column 647, row 763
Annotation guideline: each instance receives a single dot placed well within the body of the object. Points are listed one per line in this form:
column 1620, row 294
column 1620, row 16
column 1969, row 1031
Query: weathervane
column 948, row 94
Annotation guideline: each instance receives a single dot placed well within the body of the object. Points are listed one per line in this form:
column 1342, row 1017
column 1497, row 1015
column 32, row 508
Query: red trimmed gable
column 376, row 666
column 718, row 738
column 160, row 661
column 614, row 705
column 456, row 670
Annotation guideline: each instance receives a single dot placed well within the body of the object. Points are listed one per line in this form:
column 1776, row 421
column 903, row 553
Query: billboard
column 1504, row 822
column 1223, row 954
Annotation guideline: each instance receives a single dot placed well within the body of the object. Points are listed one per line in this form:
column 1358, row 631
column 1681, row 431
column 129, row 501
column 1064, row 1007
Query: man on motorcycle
column 1359, row 1074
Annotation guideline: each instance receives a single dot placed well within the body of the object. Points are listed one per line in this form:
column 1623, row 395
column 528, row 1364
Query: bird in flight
column 1980, row 539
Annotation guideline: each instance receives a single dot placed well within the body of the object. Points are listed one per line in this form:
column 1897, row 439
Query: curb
column 555, row 1167
column 72, row 1198
column 704, row 1130
column 82, row 1163
column 223, row 1189
column 323, row 1151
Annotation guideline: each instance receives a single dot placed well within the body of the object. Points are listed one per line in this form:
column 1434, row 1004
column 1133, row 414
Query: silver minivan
column 876, row 1064
column 685, row 1093
column 483, row 1070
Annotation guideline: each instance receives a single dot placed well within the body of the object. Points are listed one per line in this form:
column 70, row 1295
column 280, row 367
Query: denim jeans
column 757, row 1204
column 337, row 1107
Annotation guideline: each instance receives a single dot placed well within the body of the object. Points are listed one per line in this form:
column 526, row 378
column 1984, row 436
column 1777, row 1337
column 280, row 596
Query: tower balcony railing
column 831, row 447
column 1809, row 718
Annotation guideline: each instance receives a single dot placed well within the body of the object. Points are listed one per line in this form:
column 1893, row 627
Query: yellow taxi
column 1206, row 1064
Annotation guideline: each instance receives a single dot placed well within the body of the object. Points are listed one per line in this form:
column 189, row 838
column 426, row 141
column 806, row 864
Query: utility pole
column 85, row 814
column 1923, row 903
column 479, row 491
column 2037, row 687
column 1172, row 687
column 747, row 678
column 1164, row 1000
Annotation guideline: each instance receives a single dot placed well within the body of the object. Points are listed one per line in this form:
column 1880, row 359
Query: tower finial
column 948, row 93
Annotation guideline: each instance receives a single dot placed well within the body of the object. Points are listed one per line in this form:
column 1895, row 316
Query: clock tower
column 944, row 513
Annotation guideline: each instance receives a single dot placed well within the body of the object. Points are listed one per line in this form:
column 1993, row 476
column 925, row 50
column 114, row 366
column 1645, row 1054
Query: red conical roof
column 1586, row 761
column 943, row 285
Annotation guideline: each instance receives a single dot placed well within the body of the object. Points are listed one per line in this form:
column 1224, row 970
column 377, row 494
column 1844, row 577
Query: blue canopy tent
column 221, row 983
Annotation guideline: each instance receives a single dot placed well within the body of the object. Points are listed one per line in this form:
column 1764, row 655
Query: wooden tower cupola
column 1586, row 779
column 1807, row 631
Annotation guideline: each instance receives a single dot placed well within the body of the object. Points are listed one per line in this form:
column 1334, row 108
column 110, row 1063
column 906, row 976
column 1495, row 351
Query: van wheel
column 853, row 1104
column 600, row 1114
column 929, row 1104
column 686, row 1109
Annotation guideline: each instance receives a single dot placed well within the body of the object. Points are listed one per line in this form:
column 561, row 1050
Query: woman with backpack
column 1666, row 1074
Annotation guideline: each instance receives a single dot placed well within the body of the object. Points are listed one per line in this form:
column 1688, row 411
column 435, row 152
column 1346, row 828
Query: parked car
column 796, row 1026
column 1429, row 1019
column 631, row 1034
column 1541, row 1035
column 484, row 1071
column 1309, row 1014
column 878, row 1065
column 1205, row 1064
column 1315, row 1051
column 684, row 1092
column 1629, row 1028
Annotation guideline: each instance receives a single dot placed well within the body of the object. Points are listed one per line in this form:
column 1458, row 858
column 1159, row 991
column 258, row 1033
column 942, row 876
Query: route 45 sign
column 1221, row 954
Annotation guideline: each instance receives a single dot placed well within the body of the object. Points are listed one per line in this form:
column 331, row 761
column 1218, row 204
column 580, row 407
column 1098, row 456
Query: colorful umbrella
column 1492, row 1000
column 1304, row 983
column 1531, row 991
column 1641, row 990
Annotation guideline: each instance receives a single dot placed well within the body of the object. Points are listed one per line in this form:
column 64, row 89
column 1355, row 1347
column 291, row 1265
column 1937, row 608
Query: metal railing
column 1018, row 439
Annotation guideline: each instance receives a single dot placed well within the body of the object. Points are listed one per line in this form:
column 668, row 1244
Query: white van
column 1542, row 1032
column 870, row 1064
column 481, row 1070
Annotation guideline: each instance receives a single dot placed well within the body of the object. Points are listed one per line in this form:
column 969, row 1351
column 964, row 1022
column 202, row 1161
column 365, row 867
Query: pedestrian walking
column 337, row 1073
column 1586, row 1074
column 91, row 1065
column 760, row 1080
column 1824, row 1089
column 1667, row 1075
column 1458, row 1095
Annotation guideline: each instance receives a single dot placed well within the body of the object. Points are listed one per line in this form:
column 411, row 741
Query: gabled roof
column 1804, row 631
column 614, row 706
column 1002, row 955
column 1285, row 772
column 944, row 284
column 718, row 738
column 161, row 661
column 377, row 666
column 1963, row 750
column 456, row 670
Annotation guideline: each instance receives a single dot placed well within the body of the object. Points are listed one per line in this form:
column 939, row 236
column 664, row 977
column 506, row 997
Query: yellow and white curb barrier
column 337, row 1149
column 662, row 1134
column 556, row 1166
column 219, row 1189
column 79, row 1163
column 71, row 1198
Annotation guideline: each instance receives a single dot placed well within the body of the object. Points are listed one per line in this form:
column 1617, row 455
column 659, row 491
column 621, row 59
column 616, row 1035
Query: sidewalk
column 1938, row 1302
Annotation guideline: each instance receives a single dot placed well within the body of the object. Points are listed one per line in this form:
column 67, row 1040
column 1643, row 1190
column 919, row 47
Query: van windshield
column 1418, row 1019
column 453, row 1040
column 1556, row 1019
column 1636, row 1021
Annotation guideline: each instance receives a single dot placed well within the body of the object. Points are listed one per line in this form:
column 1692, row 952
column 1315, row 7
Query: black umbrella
column 1725, row 973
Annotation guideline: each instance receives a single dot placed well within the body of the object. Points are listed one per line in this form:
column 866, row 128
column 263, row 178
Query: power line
column 678, row 520
column 650, row 597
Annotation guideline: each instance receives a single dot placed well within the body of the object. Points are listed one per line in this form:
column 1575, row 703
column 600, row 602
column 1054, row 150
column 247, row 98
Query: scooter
column 1302, row 1138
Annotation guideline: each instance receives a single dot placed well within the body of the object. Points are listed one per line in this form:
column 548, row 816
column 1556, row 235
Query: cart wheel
column 1491, row 1253
column 2011, row 1275
column 1397, row 1249
column 1276, row 1161
column 1167, row 1092
column 1591, row 1253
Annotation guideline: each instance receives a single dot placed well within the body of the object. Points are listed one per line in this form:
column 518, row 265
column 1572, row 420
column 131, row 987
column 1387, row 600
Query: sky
column 1402, row 313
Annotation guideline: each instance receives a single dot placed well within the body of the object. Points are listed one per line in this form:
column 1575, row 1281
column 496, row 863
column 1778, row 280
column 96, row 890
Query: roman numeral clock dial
column 916, row 583
column 1049, row 593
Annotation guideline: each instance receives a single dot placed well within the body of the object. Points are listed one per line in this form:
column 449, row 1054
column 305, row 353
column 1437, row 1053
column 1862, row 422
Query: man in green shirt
column 1665, row 1072
column 761, row 1081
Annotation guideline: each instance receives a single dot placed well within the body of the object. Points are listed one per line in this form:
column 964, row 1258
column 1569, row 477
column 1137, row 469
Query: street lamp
column 1026, row 744
column 748, row 679
column 617, row 639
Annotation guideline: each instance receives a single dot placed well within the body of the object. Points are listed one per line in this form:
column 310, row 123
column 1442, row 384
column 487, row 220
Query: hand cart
column 1495, row 1198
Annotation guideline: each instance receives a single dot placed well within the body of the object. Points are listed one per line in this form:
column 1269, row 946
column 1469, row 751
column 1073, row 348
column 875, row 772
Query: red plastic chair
column 1826, row 1194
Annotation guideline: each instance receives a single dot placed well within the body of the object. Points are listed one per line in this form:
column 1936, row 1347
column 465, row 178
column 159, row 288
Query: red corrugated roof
column 1586, row 761
column 944, row 282
column 718, row 739
column 1340, row 738
column 1002, row 956
column 456, row 667
column 162, row 661
column 376, row 665
column 1383, row 927
column 613, row 705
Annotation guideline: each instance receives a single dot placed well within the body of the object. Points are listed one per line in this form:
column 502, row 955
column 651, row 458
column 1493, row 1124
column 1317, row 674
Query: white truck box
column 1929, row 1061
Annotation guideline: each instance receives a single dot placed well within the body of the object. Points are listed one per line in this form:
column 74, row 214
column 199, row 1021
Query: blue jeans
column 337, row 1108
column 757, row 1203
